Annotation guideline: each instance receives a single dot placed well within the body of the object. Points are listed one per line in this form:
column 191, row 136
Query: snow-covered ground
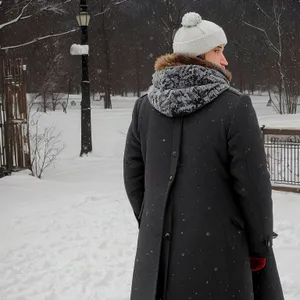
column 72, row 235
column 268, row 117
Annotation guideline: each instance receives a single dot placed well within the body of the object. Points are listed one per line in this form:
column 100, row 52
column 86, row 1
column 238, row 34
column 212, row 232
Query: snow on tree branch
column 17, row 18
column 274, row 48
column 41, row 6
column 39, row 39
column 262, row 10
column 55, row 8
column 26, row 17
column 109, row 8
column 287, row 97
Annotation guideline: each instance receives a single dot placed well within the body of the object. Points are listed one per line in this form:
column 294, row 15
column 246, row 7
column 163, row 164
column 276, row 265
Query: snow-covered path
column 72, row 235
column 60, row 240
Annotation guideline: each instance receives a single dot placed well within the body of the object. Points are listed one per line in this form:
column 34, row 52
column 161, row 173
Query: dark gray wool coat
column 196, row 176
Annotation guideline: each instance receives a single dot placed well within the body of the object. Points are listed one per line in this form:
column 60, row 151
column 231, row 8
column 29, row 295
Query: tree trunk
column 270, row 98
column 45, row 103
column 107, row 58
column 54, row 102
column 138, row 72
column 241, row 83
column 65, row 106
column 280, row 97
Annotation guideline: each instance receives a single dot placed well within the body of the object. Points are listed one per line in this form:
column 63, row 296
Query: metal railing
column 282, row 148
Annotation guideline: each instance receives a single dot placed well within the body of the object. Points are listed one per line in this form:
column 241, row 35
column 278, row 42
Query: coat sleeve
column 251, row 178
column 133, row 166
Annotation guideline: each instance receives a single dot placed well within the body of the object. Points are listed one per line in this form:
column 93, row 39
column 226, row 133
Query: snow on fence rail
column 283, row 155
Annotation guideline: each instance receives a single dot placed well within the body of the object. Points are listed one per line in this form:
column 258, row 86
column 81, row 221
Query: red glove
column 257, row 263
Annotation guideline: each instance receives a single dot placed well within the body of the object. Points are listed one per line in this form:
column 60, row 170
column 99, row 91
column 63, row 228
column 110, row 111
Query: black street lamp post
column 83, row 19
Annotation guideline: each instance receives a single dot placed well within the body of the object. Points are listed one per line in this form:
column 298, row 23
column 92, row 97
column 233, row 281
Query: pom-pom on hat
column 197, row 36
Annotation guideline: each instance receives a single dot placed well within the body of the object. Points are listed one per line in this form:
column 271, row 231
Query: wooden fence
column 14, row 135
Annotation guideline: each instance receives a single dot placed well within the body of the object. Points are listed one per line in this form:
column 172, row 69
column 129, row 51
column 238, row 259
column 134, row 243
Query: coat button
column 174, row 153
column 167, row 236
column 171, row 177
column 269, row 242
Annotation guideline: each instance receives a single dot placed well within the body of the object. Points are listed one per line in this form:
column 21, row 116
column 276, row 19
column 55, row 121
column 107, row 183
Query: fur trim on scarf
column 183, row 84
column 173, row 60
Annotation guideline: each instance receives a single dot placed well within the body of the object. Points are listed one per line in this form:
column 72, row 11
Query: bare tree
column 24, row 10
column 107, row 14
column 286, row 97
column 139, row 31
column 65, row 103
column 30, row 9
column 167, row 15
column 56, row 100
column 49, row 71
column 105, row 27
column 45, row 148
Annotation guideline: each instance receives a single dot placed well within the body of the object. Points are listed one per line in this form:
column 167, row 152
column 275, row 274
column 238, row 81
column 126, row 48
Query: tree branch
column 240, row 45
column 17, row 18
column 179, row 14
column 38, row 39
column 26, row 17
column 273, row 47
column 56, row 8
column 261, row 9
column 109, row 8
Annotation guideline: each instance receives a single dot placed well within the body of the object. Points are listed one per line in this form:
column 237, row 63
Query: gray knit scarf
column 182, row 90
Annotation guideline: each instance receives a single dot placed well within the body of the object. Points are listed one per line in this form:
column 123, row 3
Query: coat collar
column 182, row 85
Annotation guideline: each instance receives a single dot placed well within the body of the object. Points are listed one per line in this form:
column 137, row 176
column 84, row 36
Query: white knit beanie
column 197, row 36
